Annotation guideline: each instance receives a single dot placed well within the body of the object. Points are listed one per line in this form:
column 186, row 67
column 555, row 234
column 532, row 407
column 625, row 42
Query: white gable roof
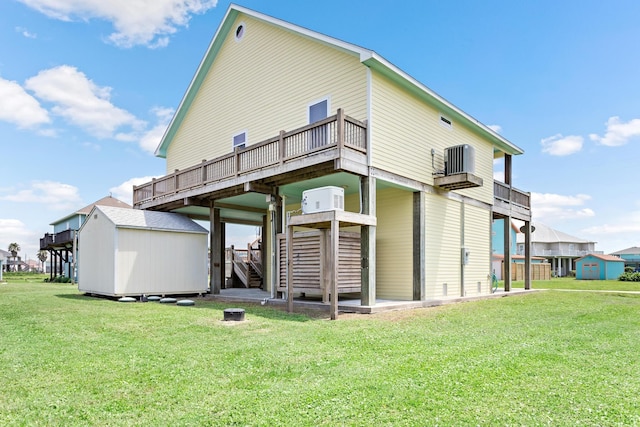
column 149, row 220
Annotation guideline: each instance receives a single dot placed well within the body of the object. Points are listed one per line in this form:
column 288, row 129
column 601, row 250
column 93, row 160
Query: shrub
column 628, row 269
column 629, row 277
column 572, row 273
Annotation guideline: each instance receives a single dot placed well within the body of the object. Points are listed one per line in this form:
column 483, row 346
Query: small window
column 240, row 29
column 446, row 122
column 240, row 140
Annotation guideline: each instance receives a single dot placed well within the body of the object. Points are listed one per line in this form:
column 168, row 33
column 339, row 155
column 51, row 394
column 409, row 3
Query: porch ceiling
column 250, row 207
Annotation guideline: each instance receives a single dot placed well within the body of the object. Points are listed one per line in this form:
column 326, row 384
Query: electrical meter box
column 322, row 199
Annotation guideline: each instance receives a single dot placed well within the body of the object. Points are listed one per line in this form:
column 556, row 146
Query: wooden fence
column 310, row 260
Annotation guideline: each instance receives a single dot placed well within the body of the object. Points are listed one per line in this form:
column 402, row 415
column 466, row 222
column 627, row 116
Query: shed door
column 590, row 271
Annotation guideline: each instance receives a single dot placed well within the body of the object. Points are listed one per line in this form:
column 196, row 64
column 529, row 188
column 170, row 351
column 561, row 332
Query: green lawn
column 574, row 284
column 545, row 358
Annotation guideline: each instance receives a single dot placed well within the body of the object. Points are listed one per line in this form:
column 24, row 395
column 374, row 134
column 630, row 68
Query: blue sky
column 87, row 88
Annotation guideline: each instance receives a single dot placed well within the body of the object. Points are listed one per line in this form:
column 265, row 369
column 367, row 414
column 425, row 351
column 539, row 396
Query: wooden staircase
column 247, row 269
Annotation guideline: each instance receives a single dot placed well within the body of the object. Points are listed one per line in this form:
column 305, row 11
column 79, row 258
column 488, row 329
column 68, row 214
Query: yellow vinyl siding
column 265, row 83
column 394, row 244
column 477, row 239
column 404, row 130
column 443, row 232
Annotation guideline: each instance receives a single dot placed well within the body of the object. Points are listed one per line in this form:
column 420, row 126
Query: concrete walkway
column 351, row 304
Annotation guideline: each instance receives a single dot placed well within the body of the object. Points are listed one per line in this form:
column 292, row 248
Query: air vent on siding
column 446, row 122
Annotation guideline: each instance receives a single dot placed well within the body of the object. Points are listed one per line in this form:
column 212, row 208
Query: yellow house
column 276, row 110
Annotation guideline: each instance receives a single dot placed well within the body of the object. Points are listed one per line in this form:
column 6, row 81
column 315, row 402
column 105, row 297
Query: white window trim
column 317, row 101
column 246, row 139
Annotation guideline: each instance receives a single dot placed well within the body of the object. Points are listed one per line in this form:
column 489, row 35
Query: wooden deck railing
column 510, row 194
column 338, row 131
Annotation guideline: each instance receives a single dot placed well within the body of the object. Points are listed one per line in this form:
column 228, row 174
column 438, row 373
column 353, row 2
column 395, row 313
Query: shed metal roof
column 149, row 220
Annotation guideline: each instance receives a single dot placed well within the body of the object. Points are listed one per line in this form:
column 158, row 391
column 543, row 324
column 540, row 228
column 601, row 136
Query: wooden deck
column 339, row 142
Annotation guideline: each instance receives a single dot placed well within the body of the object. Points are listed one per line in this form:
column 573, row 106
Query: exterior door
column 318, row 137
column 591, row 271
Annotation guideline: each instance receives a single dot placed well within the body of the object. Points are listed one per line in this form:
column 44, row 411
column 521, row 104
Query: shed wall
column 96, row 260
column 161, row 262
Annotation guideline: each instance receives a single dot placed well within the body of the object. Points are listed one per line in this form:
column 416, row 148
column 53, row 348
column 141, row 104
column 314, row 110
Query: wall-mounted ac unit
column 322, row 199
column 459, row 159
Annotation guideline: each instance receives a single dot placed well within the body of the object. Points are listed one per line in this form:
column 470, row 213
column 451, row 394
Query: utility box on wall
column 322, row 199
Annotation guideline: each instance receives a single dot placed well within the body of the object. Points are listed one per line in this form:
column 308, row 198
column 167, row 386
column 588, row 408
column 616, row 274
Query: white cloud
column 556, row 206
column 618, row 133
column 559, row 145
column 14, row 230
column 124, row 191
column 28, row 34
column 495, row 128
column 136, row 22
column 54, row 195
column 151, row 139
column 20, row 108
column 80, row 101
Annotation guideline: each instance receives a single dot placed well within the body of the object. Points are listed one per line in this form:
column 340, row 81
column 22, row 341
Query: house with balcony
column 62, row 244
column 560, row 249
column 275, row 110
column 631, row 257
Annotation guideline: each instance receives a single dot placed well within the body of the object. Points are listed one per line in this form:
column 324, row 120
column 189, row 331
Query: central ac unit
column 459, row 159
column 322, row 199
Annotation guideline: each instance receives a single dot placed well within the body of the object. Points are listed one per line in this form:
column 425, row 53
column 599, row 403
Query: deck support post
column 289, row 268
column 419, row 257
column 368, row 243
column 216, row 250
column 334, row 265
column 507, row 253
column 527, row 255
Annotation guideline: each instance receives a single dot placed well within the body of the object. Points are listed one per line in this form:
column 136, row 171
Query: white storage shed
column 136, row 252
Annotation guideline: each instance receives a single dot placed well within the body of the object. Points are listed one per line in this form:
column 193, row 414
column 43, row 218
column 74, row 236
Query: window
column 240, row 140
column 318, row 136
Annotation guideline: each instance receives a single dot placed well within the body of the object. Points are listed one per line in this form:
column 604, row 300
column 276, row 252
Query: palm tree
column 14, row 248
column 42, row 256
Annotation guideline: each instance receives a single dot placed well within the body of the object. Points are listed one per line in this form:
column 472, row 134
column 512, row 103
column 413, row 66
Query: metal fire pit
column 234, row 314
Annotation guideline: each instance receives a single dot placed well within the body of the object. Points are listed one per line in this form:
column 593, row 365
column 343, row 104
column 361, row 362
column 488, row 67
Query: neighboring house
column 275, row 109
column 62, row 243
column 560, row 249
column 631, row 257
column 497, row 237
column 4, row 256
column 132, row 252
column 599, row 267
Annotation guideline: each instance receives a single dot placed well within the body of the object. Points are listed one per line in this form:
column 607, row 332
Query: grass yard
column 570, row 283
column 545, row 358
